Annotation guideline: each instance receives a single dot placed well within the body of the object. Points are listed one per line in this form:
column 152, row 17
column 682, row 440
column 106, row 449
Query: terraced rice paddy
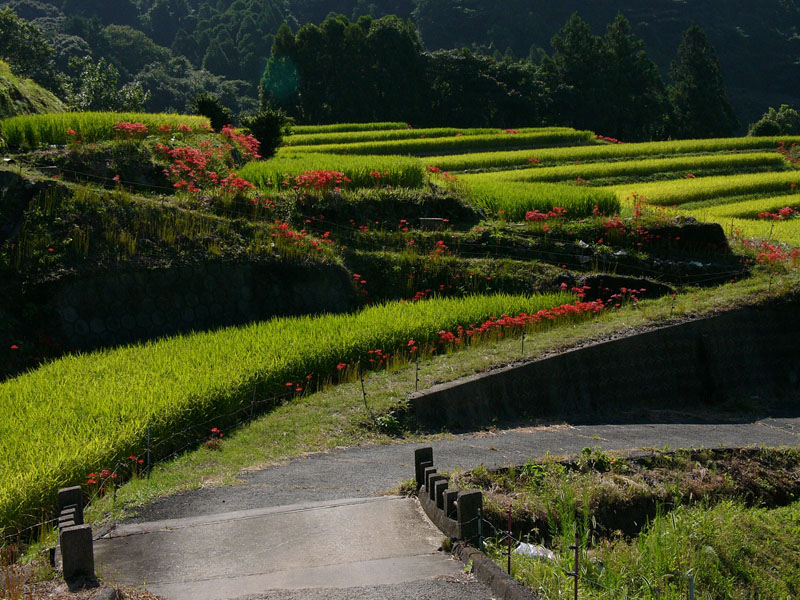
column 106, row 400
column 32, row 131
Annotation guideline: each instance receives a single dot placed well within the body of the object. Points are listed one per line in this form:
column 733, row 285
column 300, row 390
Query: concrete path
column 255, row 538
column 339, row 544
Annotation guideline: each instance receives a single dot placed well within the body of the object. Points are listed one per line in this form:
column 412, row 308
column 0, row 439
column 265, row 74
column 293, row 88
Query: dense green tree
column 130, row 50
column 638, row 100
column 22, row 45
column 472, row 90
column 95, row 87
column 577, row 75
column 699, row 102
column 784, row 121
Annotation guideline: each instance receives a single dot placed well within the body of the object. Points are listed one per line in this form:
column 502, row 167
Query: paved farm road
column 319, row 527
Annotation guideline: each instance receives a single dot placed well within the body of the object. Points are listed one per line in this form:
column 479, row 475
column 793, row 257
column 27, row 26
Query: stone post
column 77, row 553
column 422, row 455
column 468, row 514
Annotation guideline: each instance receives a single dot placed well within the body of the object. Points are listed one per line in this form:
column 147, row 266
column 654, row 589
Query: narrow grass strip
column 350, row 137
column 377, row 126
column 681, row 166
column 363, row 171
column 86, row 412
column 682, row 191
column 467, row 143
column 31, row 131
column 600, row 152
column 750, row 209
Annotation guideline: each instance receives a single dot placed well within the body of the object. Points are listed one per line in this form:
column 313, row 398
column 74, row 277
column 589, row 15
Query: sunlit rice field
column 363, row 171
column 601, row 152
column 86, row 412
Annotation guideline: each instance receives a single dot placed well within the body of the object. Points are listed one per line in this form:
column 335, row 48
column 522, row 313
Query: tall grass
column 467, row 143
column 734, row 553
column 397, row 171
column 701, row 189
column 681, row 165
column 511, row 200
column 593, row 153
column 86, row 412
column 377, row 126
column 31, row 131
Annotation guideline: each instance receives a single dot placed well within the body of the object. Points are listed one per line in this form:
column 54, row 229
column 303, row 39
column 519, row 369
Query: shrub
column 267, row 127
column 210, row 106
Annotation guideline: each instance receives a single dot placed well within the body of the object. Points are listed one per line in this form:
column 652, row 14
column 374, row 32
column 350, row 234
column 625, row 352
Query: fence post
column 422, row 455
column 469, row 516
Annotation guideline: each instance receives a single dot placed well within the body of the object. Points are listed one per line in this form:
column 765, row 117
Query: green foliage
column 784, row 121
column 210, row 106
column 22, row 44
column 350, row 137
column 95, row 87
column 699, row 102
column 107, row 399
column 396, row 171
column 267, row 127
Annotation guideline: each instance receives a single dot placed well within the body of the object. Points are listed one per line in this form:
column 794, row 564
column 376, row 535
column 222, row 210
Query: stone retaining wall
column 733, row 356
column 124, row 307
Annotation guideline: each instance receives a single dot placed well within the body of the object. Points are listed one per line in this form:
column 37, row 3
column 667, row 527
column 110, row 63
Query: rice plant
column 377, row 126
column 87, row 412
column 512, row 200
column 680, row 166
column 363, row 171
column 601, row 152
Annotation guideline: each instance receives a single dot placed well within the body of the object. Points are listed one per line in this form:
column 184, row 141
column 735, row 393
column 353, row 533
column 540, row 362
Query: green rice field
column 101, row 404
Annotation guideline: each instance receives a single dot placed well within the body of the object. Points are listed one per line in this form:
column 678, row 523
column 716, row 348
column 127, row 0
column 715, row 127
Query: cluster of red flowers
column 534, row 161
column 789, row 153
column 320, row 179
column 190, row 166
column 611, row 140
column 781, row 215
column 556, row 213
column 130, row 129
column 773, row 254
column 360, row 283
column 439, row 249
column 512, row 131
column 248, row 143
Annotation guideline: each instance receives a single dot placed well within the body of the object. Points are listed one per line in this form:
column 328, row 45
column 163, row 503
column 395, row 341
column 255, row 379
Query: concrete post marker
column 422, row 455
column 77, row 553
column 469, row 506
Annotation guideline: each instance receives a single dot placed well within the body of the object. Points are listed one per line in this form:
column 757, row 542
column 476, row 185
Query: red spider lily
column 14, row 347
column 341, row 366
column 130, row 129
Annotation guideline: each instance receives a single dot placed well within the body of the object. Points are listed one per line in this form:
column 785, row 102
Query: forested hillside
column 178, row 48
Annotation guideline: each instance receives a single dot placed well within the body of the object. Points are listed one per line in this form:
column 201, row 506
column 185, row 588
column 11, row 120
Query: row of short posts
column 75, row 538
column 464, row 507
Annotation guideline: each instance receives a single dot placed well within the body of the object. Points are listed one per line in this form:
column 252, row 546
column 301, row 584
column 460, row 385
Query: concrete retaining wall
column 125, row 307
column 736, row 355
